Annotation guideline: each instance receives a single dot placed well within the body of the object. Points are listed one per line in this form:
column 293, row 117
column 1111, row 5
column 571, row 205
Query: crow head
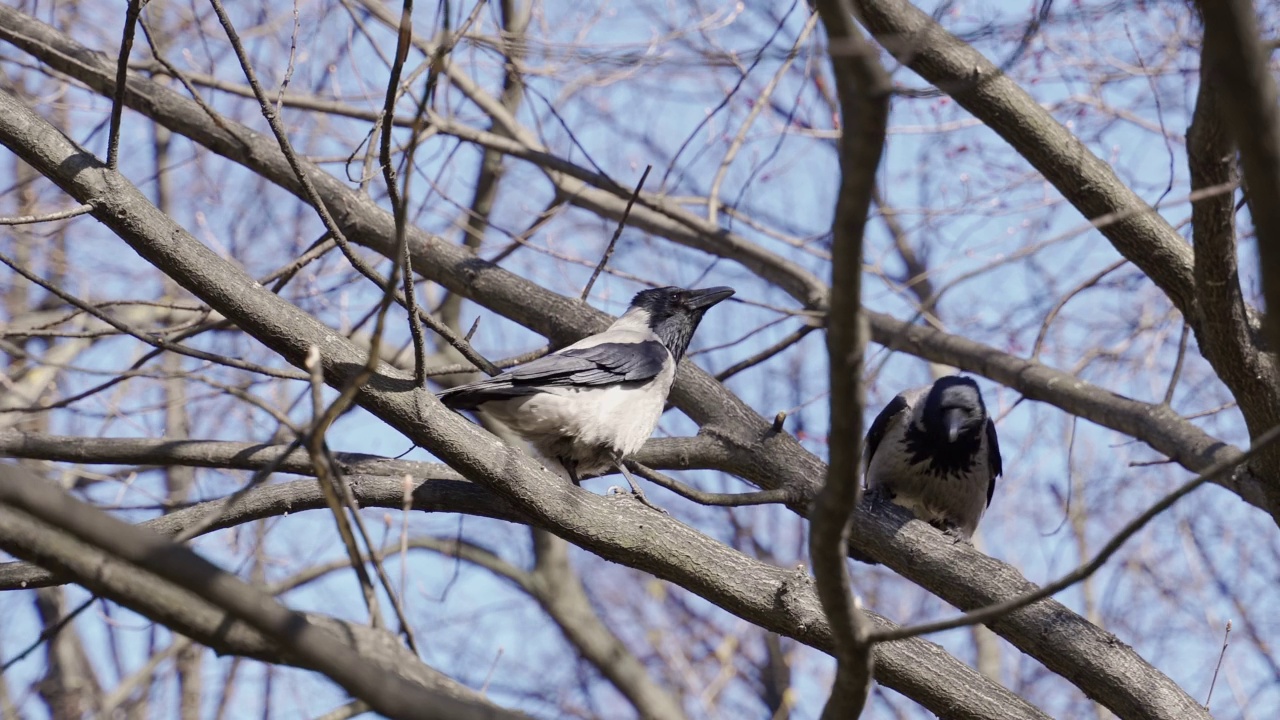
column 953, row 412
column 674, row 313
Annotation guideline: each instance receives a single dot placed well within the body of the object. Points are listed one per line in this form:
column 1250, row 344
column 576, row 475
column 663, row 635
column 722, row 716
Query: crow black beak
column 703, row 299
column 954, row 419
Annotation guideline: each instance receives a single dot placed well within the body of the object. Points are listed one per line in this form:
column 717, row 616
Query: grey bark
column 1235, row 61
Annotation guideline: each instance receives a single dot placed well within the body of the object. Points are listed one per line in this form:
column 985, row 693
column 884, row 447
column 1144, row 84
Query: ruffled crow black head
column 954, row 411
column 674, row 313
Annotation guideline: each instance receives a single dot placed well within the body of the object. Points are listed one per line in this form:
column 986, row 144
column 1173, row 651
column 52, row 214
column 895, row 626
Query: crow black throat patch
column 944, row 459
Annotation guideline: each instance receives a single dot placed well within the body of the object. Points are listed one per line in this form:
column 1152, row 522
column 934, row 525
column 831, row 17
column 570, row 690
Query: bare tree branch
column 1235, row 60
column 204, row 453
column 32, row 509
column 779, row 599
column 70, row 687
column 581, row 517
column 292, row 497
column 863, row 87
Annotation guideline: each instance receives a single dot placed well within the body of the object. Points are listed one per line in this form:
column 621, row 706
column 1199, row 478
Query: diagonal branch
column 560, row 592
column 259, row 503
column 35, row 515
column 1087, row 182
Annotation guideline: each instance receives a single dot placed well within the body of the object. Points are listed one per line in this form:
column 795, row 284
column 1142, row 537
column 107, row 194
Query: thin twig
column 328, row 482
column 1098, row 223
column 50, row 217
column 399, row 201
column 122, row 76
column 384, row 579
column 459, row 368
column 219, row 507
column 62, row 622
column 1097, row 277
column 758, row 104
column 404, row 534
column 347, row 711
column 314, row 199
column 622, row 221
column 183, row 78
column 1226, row 640
column 1177, row 366
column 781, row 496
column 158, row 343
column 766, row 353
column 916, row 279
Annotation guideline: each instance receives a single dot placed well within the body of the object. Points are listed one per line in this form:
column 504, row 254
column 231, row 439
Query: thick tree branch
column 1235, row 61
column 785, row 597
column 35, row 515
column 1211, row 155
column 1224, row 331
column 196, row 618
column 204, row 453
column 281, row 499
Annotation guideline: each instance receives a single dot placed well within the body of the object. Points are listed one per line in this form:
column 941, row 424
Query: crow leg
column 635, row 488
column 571, row 467
column 952, row 531
column 877, row 495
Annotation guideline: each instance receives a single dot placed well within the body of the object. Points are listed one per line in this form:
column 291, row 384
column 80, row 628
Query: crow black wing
column 994, row 463
column 603, row 364
column 880, row 426
column 595, row 366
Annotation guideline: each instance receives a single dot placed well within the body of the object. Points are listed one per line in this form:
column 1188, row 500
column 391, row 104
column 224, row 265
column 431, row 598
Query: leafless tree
column 243, row 245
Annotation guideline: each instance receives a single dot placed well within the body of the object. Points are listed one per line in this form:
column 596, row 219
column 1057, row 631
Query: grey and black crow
column 590, row 405
column 934, row 451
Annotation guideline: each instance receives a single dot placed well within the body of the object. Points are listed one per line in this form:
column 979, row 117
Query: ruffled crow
column 591, row 405
column 934, row 451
